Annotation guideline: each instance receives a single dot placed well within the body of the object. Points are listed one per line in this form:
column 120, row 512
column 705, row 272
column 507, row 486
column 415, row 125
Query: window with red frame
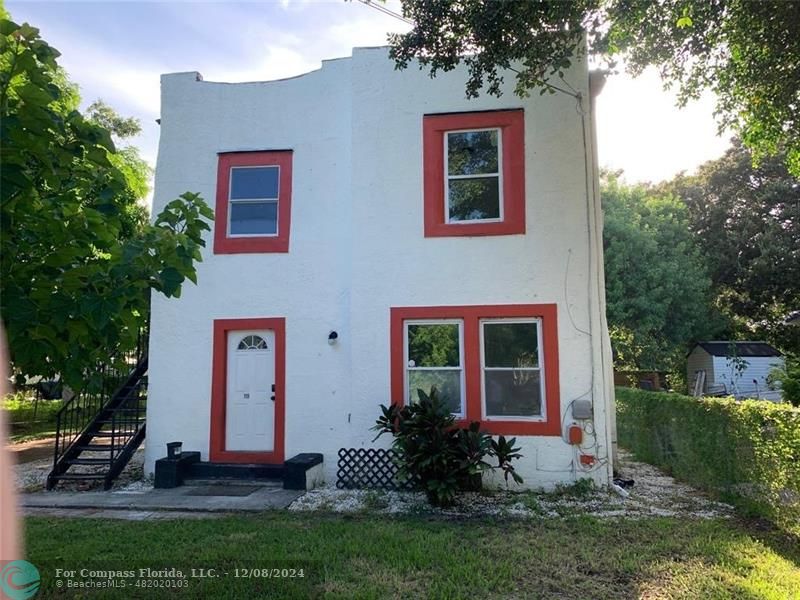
column 474, row 172
column 254, row 195
column 497, row 365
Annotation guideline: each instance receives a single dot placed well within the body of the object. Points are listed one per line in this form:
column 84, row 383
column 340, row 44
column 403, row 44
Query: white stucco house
column 377, row 233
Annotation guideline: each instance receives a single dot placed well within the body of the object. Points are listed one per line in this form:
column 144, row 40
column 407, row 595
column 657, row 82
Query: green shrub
column 746, row 451
column 442, row 457
column 789, row 377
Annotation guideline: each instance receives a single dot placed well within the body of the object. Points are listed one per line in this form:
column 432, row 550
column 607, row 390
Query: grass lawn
column 366, row 556
column 30, row 420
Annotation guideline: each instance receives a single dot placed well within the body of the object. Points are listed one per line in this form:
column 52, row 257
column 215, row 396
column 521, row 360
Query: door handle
column 273, row 393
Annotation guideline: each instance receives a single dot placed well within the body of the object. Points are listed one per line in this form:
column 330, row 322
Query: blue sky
column 116, row 51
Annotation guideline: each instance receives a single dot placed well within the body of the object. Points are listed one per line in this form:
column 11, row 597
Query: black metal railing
column 128, row 418
column 119, row 383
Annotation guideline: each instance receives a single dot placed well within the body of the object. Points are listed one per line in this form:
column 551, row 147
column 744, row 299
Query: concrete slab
column 180, row 498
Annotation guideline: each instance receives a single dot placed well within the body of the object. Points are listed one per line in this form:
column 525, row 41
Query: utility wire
column 386, row 11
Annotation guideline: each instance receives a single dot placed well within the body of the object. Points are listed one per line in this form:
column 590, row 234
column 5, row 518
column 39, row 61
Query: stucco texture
column 357, row 249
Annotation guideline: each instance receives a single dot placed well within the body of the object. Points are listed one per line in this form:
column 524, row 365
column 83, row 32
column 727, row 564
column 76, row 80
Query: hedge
column 747, row 452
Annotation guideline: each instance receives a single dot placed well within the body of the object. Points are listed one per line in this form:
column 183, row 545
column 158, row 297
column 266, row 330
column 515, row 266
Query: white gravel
column 653, row 494
column 32, row 476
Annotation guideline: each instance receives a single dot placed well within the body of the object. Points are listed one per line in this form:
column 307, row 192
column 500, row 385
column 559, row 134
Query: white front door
column 250, row 399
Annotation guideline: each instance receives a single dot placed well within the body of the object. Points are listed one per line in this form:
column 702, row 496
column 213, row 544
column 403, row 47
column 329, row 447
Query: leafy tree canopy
column 746, row 220
column 658, row 291
column 747, row 53
column 121, row 127
column 76, row 262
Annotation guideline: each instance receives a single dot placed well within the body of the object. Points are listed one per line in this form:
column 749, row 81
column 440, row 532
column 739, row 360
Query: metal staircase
column 97, row 432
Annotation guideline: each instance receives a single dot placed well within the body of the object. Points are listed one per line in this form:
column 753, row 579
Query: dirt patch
column 32, row 450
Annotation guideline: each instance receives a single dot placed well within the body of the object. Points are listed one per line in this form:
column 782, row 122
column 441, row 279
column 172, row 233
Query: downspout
column 597, row 80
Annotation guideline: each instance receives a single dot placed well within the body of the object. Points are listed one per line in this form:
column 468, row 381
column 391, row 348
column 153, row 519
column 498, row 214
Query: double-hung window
column 511, row 366
column 254, row 194
column 474, row 173
column 494, row 364
column 253, row 201
column 474, row 189
column 435, row 359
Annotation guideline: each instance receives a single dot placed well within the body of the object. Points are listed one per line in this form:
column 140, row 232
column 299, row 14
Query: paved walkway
column 122, row 515
column 216, row 498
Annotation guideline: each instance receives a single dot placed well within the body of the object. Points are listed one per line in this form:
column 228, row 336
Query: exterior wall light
column 333, row 337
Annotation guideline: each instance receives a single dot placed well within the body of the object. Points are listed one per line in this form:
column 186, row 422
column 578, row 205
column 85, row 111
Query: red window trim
column 512, row 126
column 255, row 244
column 219, row 385
column 471, row 316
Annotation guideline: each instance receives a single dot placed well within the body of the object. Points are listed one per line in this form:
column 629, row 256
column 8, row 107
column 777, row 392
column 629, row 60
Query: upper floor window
column 474, row 173
column 254, row 194
column 473, row 191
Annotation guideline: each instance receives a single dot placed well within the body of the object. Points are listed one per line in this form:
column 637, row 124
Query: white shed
column 737, row 369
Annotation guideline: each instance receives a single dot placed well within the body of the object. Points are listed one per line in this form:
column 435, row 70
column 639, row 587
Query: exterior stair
column 97, row 433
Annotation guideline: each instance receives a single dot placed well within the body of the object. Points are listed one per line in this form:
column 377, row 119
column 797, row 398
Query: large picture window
column 254, row 194
column 474, row 168
column 495, row 364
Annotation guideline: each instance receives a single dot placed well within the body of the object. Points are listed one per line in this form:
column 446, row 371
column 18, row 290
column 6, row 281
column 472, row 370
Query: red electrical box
column 575, row 435
column 587, row 459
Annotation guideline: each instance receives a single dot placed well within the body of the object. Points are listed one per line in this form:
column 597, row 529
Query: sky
column 116, row 51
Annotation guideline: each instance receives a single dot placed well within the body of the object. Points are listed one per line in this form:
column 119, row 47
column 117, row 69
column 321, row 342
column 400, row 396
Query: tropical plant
column 442, row 457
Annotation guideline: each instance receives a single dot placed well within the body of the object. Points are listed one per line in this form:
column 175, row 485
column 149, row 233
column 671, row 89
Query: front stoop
column 301, row 472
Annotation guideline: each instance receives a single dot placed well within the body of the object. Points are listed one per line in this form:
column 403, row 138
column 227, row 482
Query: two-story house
column 378, row 233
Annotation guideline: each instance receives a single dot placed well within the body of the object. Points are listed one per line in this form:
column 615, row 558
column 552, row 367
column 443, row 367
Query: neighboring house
column 737, row 369
column 377, row 233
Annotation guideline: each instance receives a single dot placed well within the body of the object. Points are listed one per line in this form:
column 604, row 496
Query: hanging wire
column 387, row 11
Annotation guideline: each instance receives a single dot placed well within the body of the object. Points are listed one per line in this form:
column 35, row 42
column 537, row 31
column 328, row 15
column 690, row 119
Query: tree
column 127, row 159
column 746, row 52
column 121, row 127
column 657, row 289
column 746, row 220
column 76, row 270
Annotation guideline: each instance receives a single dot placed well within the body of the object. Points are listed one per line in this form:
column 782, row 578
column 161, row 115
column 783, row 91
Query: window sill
column 474, row 229
column 251, row 245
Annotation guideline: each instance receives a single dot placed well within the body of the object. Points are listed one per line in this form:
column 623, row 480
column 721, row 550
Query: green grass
column 367, row 556
column 27, row 424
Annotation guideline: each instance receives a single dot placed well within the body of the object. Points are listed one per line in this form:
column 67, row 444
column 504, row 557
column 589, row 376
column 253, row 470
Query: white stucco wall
column 357, row 248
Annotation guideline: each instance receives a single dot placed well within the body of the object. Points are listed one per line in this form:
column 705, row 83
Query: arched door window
column 252, row 342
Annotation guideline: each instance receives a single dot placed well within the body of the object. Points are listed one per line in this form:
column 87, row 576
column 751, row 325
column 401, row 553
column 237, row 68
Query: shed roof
column 723, row 348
